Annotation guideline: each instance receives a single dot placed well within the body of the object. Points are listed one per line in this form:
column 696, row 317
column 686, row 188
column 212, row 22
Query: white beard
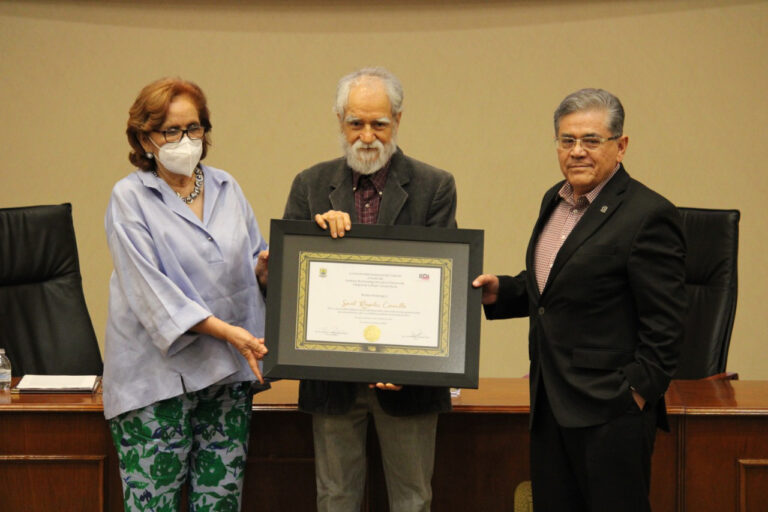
column 365, row 161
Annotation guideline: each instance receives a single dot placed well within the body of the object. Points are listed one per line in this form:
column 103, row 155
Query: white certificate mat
column 374, row 304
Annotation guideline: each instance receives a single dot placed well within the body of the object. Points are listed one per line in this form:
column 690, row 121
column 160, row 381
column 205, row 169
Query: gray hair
column 593, row 99
column 391, row 84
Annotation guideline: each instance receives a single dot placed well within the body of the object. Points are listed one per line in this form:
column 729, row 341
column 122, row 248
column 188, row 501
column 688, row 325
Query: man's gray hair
column 391, row 83
column 593, row 99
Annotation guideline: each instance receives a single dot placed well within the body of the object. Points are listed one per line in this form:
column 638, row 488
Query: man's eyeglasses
column 193, row 131
column 590, row 143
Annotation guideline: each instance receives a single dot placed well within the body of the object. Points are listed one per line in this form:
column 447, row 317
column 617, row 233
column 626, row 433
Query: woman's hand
column 251, row 347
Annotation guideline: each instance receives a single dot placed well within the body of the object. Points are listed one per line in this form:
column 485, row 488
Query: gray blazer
column 415, row 194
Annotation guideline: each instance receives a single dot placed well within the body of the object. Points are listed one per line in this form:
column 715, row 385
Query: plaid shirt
column 561, row 222
column 368, row 191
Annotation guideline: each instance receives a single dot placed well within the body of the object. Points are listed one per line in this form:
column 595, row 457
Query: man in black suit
column 373, row 183
column 604, row 291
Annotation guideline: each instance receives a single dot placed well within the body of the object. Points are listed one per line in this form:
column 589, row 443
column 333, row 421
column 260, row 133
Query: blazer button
column 541, row 311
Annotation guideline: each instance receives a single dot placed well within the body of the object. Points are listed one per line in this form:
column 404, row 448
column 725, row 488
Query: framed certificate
column 382, row 304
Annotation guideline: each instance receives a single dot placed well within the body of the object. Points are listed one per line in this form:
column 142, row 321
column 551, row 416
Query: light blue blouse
column 172, row 271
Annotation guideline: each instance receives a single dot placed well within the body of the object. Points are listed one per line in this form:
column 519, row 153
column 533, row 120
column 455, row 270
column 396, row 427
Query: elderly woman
column 185, row 308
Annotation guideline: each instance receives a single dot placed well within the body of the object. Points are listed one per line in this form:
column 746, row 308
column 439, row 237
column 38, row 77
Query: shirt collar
column 148, row 179
column 566, row 191
column 379, row 178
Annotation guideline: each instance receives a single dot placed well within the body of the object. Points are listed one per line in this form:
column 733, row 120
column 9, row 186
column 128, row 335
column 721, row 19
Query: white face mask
column 180, row 157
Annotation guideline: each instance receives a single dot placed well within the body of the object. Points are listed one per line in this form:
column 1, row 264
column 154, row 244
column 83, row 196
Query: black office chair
column 45, row 327
column 711, row 281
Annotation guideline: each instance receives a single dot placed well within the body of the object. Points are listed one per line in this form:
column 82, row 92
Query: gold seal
column 372, row 333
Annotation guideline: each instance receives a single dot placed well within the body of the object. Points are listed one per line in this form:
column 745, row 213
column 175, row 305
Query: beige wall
column 481, row 82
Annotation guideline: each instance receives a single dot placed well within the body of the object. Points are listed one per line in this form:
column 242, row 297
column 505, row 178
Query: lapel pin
column 603, row 209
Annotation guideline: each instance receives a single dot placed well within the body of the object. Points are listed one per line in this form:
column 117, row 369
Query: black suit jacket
column 611, row 313
column 415, row 194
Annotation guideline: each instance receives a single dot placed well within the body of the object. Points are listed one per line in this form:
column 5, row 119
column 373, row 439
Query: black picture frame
column 458, row 251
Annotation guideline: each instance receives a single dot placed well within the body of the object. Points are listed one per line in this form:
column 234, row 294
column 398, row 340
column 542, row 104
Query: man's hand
column 639, row 400
column 262, row 270
column 386, row 386
column 490, row 285
column 337, row 222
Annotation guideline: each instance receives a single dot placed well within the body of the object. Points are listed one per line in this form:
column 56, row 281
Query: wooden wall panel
column 753, row 485
column 281, row 470
column 33, row 483
column 714, row 477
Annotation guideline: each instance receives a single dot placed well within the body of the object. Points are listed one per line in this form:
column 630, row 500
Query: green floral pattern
column 209, row 468
column 200, row 436
column 165, row 468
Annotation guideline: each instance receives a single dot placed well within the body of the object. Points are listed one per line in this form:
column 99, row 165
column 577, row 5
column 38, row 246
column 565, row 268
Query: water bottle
column 5, row 371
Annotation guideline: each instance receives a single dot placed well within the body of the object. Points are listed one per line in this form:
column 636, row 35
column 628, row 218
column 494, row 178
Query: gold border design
column 446, row 266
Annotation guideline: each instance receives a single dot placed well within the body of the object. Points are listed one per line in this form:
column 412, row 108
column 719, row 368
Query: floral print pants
column 199, row 437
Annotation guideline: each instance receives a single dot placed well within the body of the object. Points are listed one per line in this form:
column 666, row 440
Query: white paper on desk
column 57, row 383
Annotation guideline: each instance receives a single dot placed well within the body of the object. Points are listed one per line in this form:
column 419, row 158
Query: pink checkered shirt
column 368, row 191
column 561, row 222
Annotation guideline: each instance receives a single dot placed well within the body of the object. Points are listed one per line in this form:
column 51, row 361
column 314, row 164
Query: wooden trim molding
column 752, row 484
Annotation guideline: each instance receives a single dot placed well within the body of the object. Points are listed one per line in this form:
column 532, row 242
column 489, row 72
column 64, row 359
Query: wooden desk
column 721, row 431
column 56, row 453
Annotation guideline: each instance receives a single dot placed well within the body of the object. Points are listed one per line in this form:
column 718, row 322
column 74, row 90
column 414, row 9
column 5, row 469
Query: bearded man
column 374, row 183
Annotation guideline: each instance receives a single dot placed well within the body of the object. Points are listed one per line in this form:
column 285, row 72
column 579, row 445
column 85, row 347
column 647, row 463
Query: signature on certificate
column 332, row 331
